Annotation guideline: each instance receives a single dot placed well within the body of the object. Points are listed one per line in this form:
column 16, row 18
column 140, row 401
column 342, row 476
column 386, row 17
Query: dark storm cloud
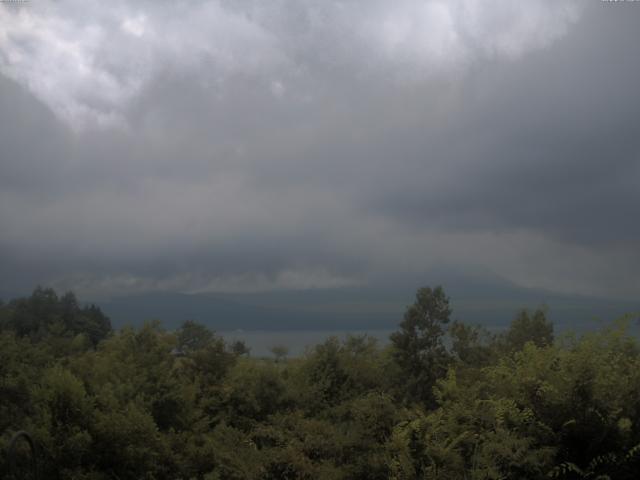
column 240, row 146
column 554, row 147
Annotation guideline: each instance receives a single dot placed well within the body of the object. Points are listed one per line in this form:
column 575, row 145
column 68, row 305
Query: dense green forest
column 442, row 400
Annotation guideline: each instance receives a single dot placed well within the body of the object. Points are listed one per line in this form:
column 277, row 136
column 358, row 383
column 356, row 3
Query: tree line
column 442, row 400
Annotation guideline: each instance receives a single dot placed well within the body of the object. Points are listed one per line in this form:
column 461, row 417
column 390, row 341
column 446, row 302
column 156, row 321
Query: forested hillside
column 444, row 400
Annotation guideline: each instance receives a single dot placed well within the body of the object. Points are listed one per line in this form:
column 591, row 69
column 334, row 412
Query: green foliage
column 280, row 352
column 144, row 403
column 193, row 336
column 44, row 314
column 471, row 345
column 528, row 328
column 254, row 392
column 335, row 371
column 239, row 347
column 418, row 346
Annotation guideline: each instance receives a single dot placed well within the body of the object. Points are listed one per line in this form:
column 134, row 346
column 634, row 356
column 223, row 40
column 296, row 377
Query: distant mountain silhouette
column 481, row 299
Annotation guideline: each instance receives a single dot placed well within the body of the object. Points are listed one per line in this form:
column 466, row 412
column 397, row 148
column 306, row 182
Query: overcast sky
column 243, row 145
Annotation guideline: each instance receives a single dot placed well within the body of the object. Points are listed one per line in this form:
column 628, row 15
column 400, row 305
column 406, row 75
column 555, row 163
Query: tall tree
column 418, row 347
column 525, row 328
column 194, row 336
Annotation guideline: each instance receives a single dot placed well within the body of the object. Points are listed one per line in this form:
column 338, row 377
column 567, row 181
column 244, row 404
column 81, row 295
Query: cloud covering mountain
column 217, row 146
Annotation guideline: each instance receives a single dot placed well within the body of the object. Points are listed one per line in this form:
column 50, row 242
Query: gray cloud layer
column 216, row 146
